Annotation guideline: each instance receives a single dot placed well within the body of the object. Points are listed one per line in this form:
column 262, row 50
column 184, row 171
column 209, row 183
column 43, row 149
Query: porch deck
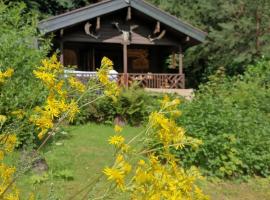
column 145, row 80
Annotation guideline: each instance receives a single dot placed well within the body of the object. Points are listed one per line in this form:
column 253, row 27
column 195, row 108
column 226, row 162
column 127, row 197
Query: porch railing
column 146, row 80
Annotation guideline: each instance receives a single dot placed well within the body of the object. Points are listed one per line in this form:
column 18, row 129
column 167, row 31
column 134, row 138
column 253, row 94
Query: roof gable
column 109, row 6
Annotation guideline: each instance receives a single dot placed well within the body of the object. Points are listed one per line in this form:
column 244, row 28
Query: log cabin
column 137, row 36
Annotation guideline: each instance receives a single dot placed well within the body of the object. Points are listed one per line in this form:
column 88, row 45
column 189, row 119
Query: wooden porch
column 145, row 80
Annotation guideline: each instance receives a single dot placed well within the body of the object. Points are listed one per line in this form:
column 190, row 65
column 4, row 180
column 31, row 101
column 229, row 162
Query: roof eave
column 104, row 7
column 169, row 20
column 62, row 21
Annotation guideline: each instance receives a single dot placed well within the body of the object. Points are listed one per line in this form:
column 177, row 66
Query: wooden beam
column 61, row 32
column 128, row 14
column 125, row 60
column 180, row 60
column 98, row 25
column 157, row 28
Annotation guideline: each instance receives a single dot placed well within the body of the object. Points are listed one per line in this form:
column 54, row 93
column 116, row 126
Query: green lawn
column 84, row 151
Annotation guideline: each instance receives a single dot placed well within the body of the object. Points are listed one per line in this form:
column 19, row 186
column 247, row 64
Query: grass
column 82, row 154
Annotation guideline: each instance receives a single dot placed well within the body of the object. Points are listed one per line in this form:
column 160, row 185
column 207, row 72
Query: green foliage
column 238, row 34
column 38, row 179
column 133, row 107
column 53, row 7
column 64, row 174
column 231, row 116
column 18, row 50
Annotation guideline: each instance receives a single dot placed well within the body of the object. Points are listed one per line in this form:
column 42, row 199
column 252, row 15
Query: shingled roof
column 108, row 6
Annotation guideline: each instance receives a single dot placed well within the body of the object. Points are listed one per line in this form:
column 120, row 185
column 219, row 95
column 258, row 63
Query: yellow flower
column 176, row 102
column 116, row 140
column 10, row 142
column 43, row 121
column 106, row 62
column 42, row 133
column 47, row 78
column 3, row 75
column 141, row 176
column 8, row 73
column 103, row 76
column 59, row 89
column 176, row 113
column 52, row 107
column 76, row 84
column 165, row 100
column 119, row 158
column 158, row 119
column 115, row 175
column 125, row 148
column 63, row 106
column 118, row 128
column 18, row 113
column 31, row 196
column 73, row 109
column 127, row 168
column 141, row 162
column 1, row 155
column 3, row 119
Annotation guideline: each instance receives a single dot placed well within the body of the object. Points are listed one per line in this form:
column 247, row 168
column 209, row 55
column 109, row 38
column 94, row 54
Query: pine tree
column 238, row 33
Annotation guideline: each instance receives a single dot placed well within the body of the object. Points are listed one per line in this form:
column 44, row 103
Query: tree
column 238, row 33
column 53, row 7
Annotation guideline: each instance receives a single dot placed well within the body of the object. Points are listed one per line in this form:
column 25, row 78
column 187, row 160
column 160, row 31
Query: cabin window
column 70, row 57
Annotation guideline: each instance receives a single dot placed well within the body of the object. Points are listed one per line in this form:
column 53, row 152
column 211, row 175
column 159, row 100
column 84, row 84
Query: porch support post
column 62, row 52
column 125, row 63
column 180, row 64
column 181, row 67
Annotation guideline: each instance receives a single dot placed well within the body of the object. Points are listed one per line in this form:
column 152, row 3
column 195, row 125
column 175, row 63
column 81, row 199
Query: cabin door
column 113, row 52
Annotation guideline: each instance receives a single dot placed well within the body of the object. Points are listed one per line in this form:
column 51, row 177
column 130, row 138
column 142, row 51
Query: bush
column 18, row 50
column 232, row 117
column 132, row 107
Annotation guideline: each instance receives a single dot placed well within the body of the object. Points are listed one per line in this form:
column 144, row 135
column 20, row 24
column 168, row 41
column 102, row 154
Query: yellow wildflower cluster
column 119, row 171
column 118, row 141
column 57, row 103
column 77, row 85
column 165, row 129
column 121, row 168
column 18, row 113
column 7, row 142
column 159, row 174
column 111, row 88
column 8, row 190
column 6, row 74
column 155, row 180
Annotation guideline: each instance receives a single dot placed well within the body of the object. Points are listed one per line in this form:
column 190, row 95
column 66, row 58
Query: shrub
column 231, row 116
column 18, row 50
column 133, row 107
